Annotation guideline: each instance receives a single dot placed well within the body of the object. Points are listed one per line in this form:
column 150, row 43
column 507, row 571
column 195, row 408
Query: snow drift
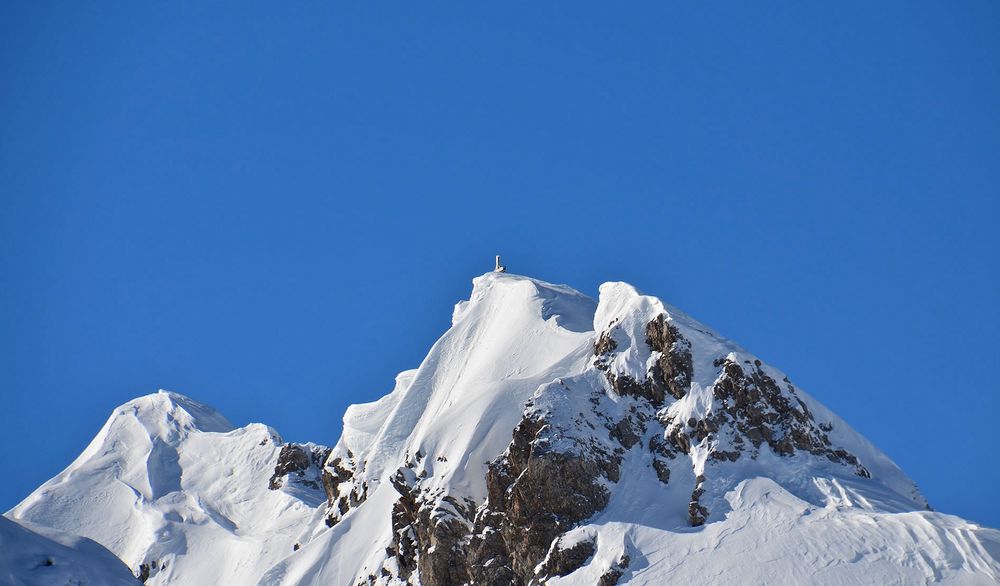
column 39, row 556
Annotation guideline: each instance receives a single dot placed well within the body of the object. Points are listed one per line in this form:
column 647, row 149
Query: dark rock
column 673, row 369
column 428, row 538
column 671, row 373
column 697, row 514
column 562, row 562
column 762, row 412
column 292, row 458
column 605, row 344
column 335, row 473
column 662, row 470
column 615, row 572
column 297, row 460
column 535, row 494
column 623, row 432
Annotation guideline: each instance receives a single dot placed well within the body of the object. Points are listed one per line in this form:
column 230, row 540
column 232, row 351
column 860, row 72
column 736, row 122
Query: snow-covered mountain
column 183, row 497
column 40, row 556
column 546, row 438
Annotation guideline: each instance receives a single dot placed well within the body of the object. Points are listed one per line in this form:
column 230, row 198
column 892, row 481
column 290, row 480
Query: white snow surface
column 31, row 555
column 171, row 481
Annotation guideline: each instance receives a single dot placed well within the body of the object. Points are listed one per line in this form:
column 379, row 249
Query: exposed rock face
column 615, row 572
column 341, row 494
column 561, row 562
column 673, row 368
column 749, row 410
column 670, row 373
column 760, row 411
column 646, row 400
column 429, row 535
column 300, row 464
column 549, row 479
column 344, row 490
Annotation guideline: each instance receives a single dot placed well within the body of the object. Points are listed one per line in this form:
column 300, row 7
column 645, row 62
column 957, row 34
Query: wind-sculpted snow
column 545, row 438
column 31, row 555
column 180, row 495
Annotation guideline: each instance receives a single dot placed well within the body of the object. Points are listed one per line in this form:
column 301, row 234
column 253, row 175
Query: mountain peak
column 545, row 438
column 165, row 412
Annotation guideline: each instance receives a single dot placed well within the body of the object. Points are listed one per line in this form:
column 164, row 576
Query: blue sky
column 272, row 208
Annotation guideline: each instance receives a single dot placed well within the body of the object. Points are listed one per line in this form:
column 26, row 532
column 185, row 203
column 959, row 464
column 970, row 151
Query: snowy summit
column 545, row 438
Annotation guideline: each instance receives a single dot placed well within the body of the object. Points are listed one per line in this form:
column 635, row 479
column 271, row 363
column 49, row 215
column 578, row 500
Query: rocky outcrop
column 751, row 411
column 551, row 477
column 673, row 368
column 299, row 463
column 341, row 493
column 670, row 373
column 697, row 513
column 564, row 561
column 615, row 572
column 430, row 533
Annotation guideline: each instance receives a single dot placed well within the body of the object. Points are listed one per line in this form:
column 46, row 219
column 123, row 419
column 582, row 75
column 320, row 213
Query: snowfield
column 39, row 556
column 710, row 467
column 170, row 484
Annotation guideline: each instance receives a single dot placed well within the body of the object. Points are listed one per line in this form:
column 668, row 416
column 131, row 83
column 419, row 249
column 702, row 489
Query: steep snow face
column 39, row 556
column 180, row 495
column 513, row 334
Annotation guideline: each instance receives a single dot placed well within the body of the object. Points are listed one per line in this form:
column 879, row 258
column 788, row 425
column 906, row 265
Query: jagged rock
column 697, row 514
column 292, row 458
column 671, row 372
column 342, row 491
column 535, row 494
column 625, row 434
column 673, row 369
column 429, row 534
column 297, row 459
column 605, row 344
column 662, row 470
column 755, row 407
column 615, row 572
column 561, row 562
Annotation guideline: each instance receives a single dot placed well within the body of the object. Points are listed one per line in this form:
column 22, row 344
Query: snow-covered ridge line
column 545, row 438
column 180, row 495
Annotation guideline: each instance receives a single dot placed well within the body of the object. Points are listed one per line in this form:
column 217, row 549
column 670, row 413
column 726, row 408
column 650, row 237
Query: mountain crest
column 545, row 438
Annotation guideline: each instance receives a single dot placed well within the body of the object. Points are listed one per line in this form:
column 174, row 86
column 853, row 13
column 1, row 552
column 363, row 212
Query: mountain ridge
column 547, row 437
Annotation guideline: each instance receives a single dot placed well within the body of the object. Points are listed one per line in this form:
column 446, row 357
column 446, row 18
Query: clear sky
column 272, row 207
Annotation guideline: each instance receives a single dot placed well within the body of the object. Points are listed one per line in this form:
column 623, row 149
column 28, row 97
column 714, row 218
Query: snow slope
column 170, row 484
column 546, row 437
column 769, row 536
column 38, row 556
